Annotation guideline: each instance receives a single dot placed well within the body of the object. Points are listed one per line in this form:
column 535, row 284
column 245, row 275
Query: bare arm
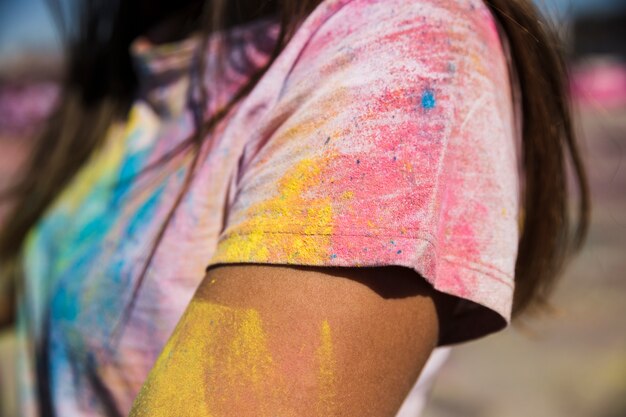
column 275, row 340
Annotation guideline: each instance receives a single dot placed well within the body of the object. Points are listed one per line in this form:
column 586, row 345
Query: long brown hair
column 100, row 83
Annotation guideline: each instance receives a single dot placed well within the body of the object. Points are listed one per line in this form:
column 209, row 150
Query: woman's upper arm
column 287, row 340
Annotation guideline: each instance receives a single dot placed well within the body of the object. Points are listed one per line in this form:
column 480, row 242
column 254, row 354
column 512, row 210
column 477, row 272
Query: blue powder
column 428, row 99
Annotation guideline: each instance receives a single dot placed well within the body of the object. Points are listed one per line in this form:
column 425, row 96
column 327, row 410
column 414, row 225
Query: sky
column 26, row 25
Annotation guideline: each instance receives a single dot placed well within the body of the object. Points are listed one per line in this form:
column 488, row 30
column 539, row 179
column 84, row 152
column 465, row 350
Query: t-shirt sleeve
column 392, row 142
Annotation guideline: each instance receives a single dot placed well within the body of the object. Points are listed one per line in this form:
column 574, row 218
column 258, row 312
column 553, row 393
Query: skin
column 272, row 340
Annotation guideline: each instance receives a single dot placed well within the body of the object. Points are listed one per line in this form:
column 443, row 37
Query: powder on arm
column 266, row 340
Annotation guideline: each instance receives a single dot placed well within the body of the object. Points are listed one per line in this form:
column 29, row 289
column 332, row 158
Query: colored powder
column 217, row 356
column 326, row 405
column 177, row 380
column 106, row 162
column 249, row 367
column 290, row 225
column 428, row 99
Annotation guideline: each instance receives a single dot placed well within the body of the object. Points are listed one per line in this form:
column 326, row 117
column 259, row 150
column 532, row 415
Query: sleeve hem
column 482, row 308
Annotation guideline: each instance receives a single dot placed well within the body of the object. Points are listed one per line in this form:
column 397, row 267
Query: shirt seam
column 476, row 266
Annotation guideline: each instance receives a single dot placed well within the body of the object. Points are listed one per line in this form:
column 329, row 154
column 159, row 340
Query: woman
column 282, row 208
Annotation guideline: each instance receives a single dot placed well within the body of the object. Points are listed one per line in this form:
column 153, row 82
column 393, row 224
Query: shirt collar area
column 164, row 73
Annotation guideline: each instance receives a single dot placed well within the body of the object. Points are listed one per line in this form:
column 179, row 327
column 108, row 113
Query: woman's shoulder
column 399, row 36
column 388, row 142
column 339, row 20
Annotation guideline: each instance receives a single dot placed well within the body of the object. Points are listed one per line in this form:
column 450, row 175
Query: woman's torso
column 83, row 259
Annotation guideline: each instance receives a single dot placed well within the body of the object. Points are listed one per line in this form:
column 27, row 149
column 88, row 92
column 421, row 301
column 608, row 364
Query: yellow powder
column 295, row 225
column 311, row 219
column 249, row 367
column 242, row 247
column 177, row 381
column 347, row 195
column 99, row 165
column 326, row 379
column 217, row 356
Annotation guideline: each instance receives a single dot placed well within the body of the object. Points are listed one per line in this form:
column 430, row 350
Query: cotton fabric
column 383, row 134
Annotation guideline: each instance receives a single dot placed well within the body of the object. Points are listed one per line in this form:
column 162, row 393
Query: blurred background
column 570, row 365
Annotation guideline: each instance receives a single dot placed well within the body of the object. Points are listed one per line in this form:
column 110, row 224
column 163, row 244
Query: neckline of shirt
column 164, row 70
